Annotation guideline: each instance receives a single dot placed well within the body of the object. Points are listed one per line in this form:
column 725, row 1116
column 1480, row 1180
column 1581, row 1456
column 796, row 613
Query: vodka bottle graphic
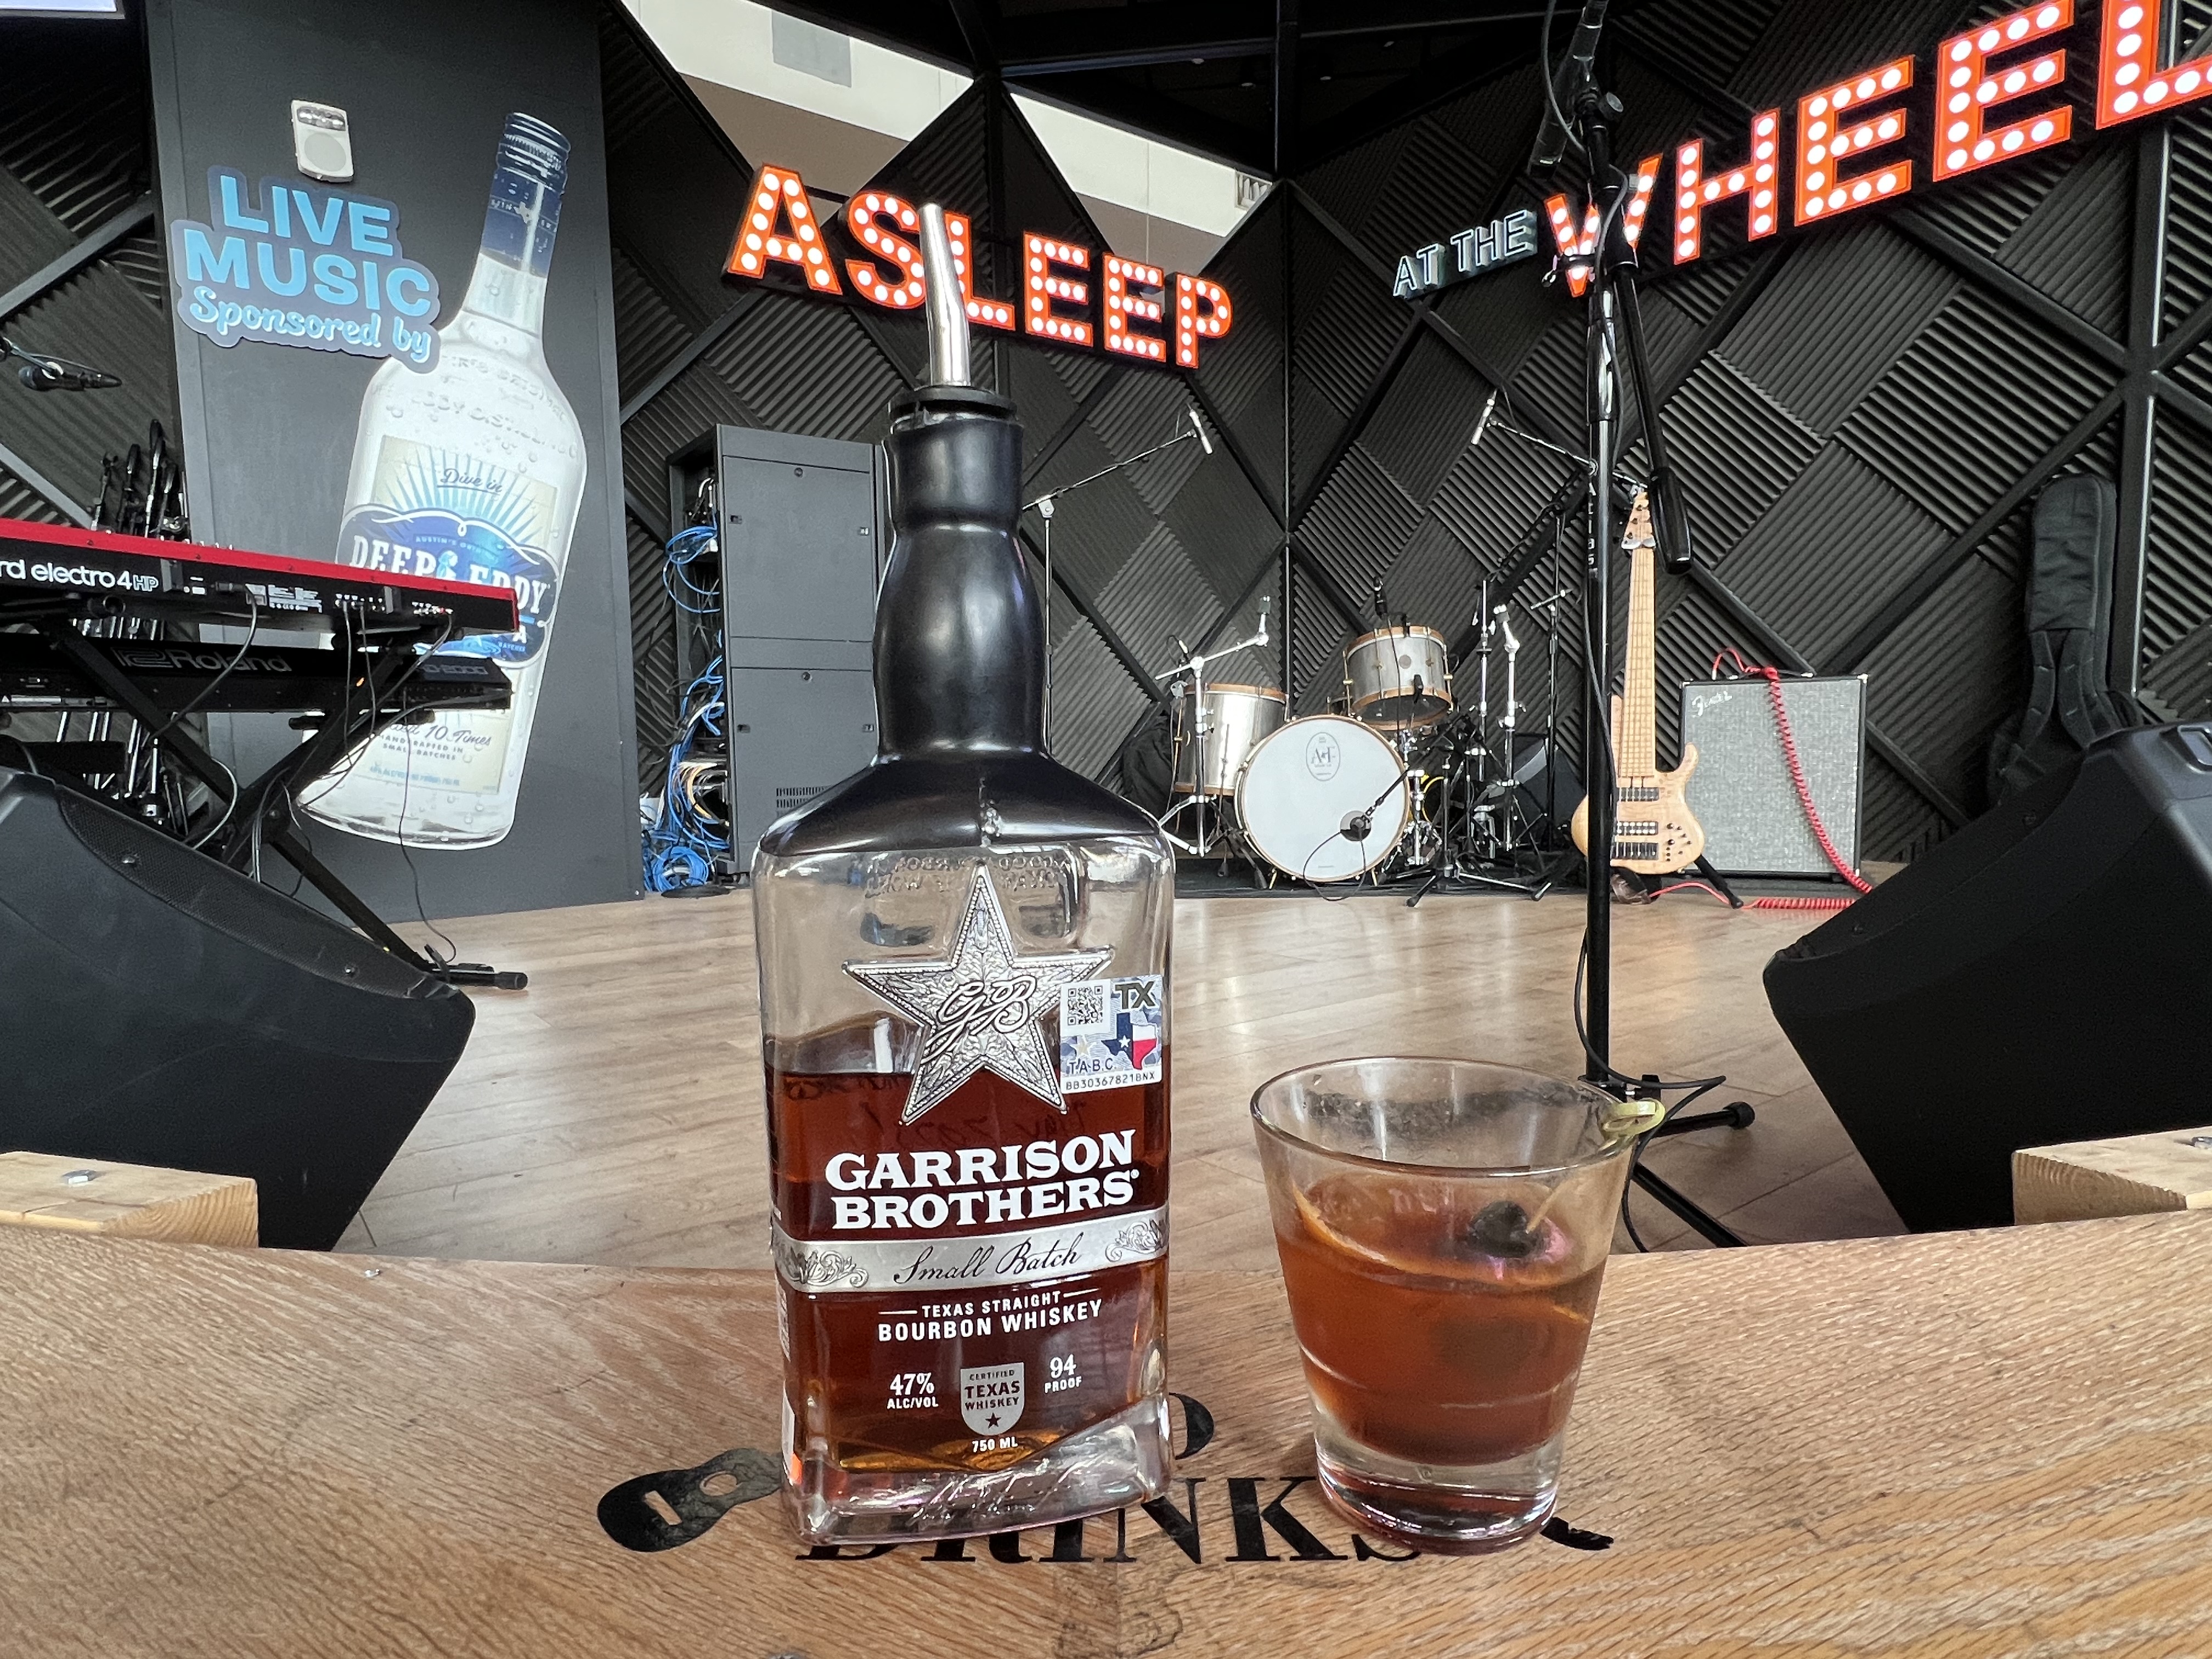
column 471, row 471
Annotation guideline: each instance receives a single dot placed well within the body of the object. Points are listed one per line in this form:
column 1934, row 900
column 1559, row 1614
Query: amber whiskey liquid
column 1013, row 1260
column 1418, row 1343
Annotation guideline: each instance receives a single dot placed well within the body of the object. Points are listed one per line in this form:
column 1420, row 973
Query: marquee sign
column 2008, row 67
column 1140, row 311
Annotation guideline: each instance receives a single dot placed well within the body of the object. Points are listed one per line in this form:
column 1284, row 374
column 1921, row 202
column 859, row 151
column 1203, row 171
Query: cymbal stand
column 1205, row 833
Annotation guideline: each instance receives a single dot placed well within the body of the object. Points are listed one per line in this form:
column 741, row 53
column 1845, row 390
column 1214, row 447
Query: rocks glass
column 1444, row 1226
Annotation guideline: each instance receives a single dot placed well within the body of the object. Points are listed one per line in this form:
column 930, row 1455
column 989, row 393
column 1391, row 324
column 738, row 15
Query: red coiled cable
column 1773, row 678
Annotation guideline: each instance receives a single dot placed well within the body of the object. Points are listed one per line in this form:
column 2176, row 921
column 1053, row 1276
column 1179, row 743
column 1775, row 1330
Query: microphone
column 1358, row 826
column 1199, row 426
column 1483, row 425
column 1574, row 74
column 1265, row 602
column 1381, row 610
column 41, row 372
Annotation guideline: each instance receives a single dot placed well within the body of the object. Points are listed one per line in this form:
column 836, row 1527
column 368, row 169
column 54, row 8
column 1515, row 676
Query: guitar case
column 2070, row 701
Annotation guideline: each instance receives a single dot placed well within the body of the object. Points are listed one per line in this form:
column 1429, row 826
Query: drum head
column 1306, row 781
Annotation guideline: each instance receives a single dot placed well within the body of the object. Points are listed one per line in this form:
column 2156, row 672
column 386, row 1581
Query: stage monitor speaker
column 1742, row 792
column 2041, row 976
column 158, row 1007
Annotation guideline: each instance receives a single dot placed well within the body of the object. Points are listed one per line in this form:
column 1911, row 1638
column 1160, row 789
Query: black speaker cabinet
column 2041, row 976
column 158, row 1007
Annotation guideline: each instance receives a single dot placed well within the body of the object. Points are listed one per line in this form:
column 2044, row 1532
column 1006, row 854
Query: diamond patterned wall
column 1844, row 424
column 1174, row 546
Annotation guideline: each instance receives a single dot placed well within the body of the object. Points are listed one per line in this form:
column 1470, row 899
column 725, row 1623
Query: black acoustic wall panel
column 1183, row 544
column 74, row 173
column 1863, row 411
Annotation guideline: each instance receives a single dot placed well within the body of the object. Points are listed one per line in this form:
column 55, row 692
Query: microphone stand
column 1196, row 669
column 1044, row 505
column 1614, row 320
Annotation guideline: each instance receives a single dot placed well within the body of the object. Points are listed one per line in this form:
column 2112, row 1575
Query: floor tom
column 1235, row 720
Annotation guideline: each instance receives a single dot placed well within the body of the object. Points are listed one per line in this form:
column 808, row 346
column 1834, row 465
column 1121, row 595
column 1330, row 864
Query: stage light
column 779, row 227
column 1822, row 189
column 2128, row 82
column 1129, row 284
column 1964, row 60
column 1201, row 313
column 876, row 219
column 1694, row 192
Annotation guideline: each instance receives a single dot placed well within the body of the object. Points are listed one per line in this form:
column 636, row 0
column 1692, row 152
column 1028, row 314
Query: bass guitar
column 1654, row 832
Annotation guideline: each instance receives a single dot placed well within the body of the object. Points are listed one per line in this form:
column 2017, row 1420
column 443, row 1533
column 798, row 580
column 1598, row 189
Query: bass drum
column 1305, row 787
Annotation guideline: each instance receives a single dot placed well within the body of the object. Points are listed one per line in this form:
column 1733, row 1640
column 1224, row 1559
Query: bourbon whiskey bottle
column 964, row 954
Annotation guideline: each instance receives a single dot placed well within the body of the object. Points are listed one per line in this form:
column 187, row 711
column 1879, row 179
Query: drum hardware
column 1045, row 503
column 1195, row 687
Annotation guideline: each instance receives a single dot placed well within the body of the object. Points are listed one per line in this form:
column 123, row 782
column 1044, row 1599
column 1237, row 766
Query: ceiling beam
column 1145, row 56
column 1284, row 150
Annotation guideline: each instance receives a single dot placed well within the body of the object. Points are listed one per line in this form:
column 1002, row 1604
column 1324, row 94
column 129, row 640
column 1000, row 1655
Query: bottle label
column 842, row 1266
column 444, row 513
column 1109, row 1033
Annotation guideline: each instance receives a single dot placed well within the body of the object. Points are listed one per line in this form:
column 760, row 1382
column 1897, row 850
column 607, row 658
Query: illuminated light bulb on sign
column 1818, row 196
column 1201, row 313
column 874, row 218
column 991, row 313
column 2129, row 83
column 1130, row 301
column 1046, row 287
column 1695, row 192
column 1967, row 145
column 779, row 228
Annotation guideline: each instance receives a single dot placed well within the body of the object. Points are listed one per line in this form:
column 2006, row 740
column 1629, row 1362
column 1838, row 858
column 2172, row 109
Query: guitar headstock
column 1637, row 536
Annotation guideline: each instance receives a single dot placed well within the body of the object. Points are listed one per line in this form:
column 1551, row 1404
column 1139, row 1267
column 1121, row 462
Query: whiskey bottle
column 963, row 955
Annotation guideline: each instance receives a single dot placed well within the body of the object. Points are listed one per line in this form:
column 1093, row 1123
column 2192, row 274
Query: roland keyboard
column 54, row 569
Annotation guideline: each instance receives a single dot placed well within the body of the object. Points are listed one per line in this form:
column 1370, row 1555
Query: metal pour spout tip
column 947, row 305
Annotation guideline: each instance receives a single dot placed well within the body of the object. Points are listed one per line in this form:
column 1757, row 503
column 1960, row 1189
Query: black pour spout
column 959, row 650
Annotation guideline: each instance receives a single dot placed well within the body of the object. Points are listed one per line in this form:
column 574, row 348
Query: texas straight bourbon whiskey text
column 963, row 955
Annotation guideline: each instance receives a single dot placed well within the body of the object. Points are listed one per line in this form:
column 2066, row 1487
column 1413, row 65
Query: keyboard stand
column 386, row 659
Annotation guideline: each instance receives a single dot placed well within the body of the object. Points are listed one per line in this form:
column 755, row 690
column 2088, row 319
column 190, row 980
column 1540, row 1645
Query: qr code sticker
column 1083, row 1008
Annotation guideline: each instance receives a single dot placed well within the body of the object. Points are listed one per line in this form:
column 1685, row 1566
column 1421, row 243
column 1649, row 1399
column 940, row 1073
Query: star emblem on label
column 979, row 1010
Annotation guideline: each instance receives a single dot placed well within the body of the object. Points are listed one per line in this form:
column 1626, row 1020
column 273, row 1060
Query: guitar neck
column 1639, row 733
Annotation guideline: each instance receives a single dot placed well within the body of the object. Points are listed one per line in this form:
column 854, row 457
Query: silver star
column 980, row 1010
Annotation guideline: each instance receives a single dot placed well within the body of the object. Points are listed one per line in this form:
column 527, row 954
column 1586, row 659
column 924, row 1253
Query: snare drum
column 1235, row 720
column 1399, row 679
column 1303, row 792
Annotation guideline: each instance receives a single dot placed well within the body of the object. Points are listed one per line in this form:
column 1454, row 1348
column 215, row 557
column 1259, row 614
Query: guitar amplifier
column 1742, row 792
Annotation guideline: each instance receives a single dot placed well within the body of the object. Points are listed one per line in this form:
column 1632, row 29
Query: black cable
column 252, row 628
column 399, row 835
column 1551, row 80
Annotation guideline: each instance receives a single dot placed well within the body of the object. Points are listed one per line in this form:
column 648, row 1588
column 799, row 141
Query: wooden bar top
column 1965, row 1445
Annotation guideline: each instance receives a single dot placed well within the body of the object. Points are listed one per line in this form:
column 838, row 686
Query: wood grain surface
column 128, row 1201
column 2129, row 1175
column 1966, row 1445
column 612, row 1111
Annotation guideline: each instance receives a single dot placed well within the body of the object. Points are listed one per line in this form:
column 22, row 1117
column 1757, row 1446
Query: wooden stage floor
column 611, row 1113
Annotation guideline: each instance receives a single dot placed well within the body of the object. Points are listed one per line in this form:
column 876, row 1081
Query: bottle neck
column 506, row 295
column 959, row 651
column 521, row 220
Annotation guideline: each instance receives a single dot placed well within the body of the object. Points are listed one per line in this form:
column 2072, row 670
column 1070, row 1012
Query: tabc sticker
column 1109, row 1033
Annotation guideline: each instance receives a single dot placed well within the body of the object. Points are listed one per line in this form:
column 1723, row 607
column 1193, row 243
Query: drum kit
column 1397, row 779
